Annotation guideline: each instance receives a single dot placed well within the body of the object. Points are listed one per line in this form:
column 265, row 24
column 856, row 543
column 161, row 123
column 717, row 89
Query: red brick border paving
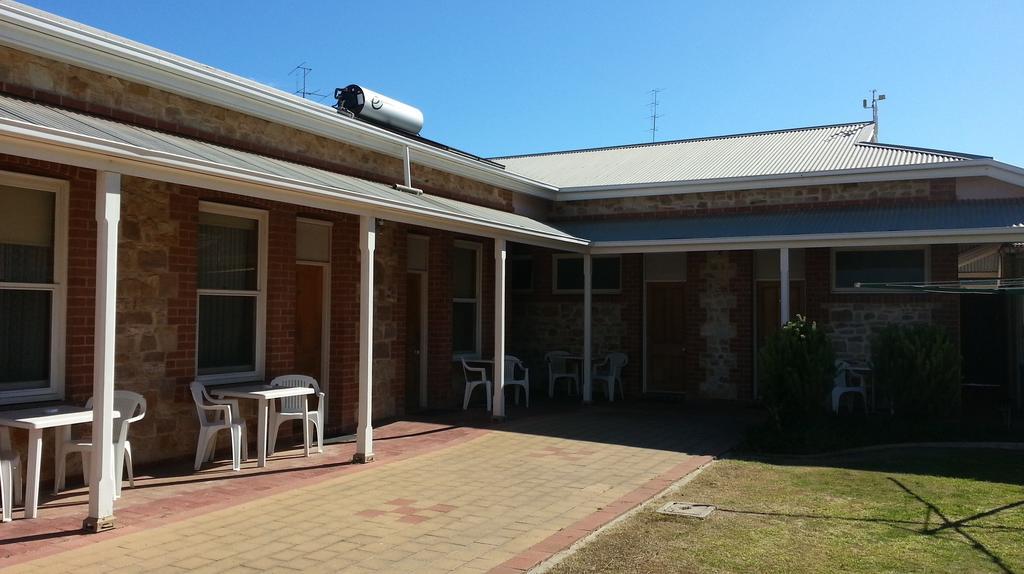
column 587, row 525
column 45, row 538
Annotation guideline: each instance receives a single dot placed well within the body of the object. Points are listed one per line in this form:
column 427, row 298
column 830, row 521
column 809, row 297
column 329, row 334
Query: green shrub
column 918, row 368
column 797, row 365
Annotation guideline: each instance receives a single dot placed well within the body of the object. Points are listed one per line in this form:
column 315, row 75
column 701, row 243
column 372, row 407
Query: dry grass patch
column 926, row 510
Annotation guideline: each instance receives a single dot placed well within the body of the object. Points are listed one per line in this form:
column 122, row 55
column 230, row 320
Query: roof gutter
column 867, row 239
column 966, row 168
column 46, row 35
column 48, row 144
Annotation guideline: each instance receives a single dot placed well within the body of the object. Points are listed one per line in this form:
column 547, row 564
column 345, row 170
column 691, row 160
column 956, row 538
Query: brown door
column 309, row 320
column 666, row 337
column 768, row 303
column 413, row 338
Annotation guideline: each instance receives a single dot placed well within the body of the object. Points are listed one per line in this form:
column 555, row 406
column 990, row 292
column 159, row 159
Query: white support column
column 588, row 394
column 784, row 285
column 498, row 402
column 364, row 430
column 102, row 487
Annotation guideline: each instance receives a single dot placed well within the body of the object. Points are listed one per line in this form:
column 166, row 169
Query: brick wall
column 157, row 299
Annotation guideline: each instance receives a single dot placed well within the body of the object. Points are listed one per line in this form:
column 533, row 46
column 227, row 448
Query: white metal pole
column 408, row 168
column 498, row 402
column 784, row 285
column 588, row 395
column 364, row 430
column 102, row 488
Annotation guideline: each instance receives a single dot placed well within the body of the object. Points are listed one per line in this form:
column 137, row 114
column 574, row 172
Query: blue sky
column 498, row 78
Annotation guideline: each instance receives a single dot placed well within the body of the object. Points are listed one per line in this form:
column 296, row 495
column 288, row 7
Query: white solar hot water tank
column 378, row 108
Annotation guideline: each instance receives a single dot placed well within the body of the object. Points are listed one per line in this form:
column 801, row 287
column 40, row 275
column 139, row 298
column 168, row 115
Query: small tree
column 919, row 369
column 797, row 365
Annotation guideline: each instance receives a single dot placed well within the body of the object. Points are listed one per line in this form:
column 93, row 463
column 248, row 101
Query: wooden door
column 309, row 320
column 413, row 339
column 769, row 297
column 666, row 337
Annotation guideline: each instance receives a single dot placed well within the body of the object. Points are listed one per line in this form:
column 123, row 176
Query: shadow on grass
column 959, row 526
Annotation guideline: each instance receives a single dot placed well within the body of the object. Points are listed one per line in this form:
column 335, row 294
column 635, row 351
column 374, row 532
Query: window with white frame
column 33, row 267
column 567, row 273
column 232, row 288
column 466, row 299
column 880, row 265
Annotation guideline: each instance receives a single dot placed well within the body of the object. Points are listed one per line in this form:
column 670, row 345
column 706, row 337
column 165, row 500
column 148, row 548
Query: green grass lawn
column 897, row 510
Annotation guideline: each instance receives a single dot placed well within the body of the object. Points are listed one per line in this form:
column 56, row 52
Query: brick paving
column 441, row 498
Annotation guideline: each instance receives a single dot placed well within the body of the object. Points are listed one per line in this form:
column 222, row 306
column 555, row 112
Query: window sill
column 30, row 400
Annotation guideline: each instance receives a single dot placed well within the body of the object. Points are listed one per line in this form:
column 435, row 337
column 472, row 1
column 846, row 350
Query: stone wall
column 389, row 288
column 58, row 83
column 540, row 321
column 851, row 319
column 750, row 200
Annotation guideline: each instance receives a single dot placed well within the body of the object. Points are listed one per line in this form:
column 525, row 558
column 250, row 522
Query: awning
column 37, row 130
column 918, row 223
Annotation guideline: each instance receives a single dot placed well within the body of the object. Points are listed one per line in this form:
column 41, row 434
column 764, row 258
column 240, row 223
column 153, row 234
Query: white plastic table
column 35, row 419
column 264, row 394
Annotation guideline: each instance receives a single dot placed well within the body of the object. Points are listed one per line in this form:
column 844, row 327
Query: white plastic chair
column 132, row 407
column 11, row 488
column 561, row 368
column 226, row 416
column 475, row 376
column 842, row 386
column 291, row 409
column 517, row 375
column 610, row 371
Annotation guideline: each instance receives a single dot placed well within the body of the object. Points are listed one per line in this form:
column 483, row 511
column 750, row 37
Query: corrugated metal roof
column 58, row 118
column 774, row 153
column 995, row 215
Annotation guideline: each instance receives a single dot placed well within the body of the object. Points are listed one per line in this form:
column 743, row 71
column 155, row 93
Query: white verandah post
column 498, row 402
column 784, row 285
column 364, row 429
column 588, row 395
column 102, row 487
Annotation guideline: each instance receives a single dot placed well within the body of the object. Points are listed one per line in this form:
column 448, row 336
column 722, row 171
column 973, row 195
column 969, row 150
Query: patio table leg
column 35, row 452
column 305, row 423
column 261, row 435
column 63, row 435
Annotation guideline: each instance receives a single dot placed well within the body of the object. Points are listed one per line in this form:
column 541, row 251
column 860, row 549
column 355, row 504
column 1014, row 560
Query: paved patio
column 442, row 497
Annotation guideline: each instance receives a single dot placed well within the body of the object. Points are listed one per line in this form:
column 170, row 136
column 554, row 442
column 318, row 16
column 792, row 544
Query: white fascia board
column 967, row 168
column 872, row 239
column 47, row 144
column 55, row 39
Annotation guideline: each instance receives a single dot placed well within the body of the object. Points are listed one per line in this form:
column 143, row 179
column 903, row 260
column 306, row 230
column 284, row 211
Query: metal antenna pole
column 875, row 98
column 304, row 92
column 654, row 112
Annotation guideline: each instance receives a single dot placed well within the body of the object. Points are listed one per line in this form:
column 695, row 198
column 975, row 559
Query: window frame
column 925, row 249
column 58, row 302
column 478, row 249
column 566, row 256
column 262, row 218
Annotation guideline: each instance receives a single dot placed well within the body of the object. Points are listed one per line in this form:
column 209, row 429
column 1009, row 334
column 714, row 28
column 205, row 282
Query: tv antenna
column 304, row 91
column 875, row 98
column 653, row 104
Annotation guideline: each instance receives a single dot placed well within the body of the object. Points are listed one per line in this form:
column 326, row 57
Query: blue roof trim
column 988, row 214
